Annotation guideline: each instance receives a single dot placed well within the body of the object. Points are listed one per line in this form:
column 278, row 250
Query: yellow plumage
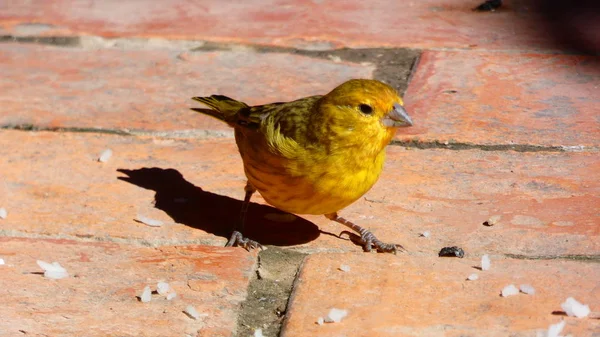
column 318, row 154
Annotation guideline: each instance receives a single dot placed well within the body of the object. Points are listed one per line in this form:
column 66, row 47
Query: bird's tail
column 222, row 107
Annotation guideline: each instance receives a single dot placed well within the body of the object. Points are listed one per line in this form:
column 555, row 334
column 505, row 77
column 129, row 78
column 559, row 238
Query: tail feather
column 223, row 107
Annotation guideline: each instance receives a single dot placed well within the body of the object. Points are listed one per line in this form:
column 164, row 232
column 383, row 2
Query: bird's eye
column 366, row 109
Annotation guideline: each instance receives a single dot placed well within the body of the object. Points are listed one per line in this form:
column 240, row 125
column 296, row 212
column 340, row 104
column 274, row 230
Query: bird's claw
column 238, row 240
column 369, row 241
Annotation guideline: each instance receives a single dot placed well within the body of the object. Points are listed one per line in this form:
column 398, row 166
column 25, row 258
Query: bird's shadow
column 189, row 205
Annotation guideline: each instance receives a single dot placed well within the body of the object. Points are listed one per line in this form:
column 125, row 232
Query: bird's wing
column 282, row 124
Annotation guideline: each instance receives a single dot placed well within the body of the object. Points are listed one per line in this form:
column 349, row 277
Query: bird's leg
column 237, row 239
column 365, row 237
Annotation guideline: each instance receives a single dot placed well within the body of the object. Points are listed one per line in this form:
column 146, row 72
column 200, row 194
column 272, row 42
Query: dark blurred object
column 575, row 23
column 452, row 252
column 488, row 6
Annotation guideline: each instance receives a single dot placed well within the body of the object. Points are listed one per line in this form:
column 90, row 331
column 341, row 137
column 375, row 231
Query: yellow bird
column 315, row 155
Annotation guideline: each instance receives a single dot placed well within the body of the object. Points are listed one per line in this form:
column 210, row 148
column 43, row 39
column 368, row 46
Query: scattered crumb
column 509, row 290
column 486, row 263
column 1, row 262
column 527, row 289
column 452, row 252
column 162, row 288
column 171, row 295
column 334, row 58
column 426, row 234
column 473, row 277
column 191, row 311
column 258, row 333
column 345, row 267
column 493, row 220
column 320, row 321
column 105, row 155
column 146, row 295
column 573, row 308
column 53, row 270
column 3, row 213
column 335, row 315
column 149, row 222
column 554, row 330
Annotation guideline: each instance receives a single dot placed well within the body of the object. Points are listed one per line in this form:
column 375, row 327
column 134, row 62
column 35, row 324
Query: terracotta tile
column 504, row 98
column 547, row 202
column 304, row 24
column 99, row 296
column 429, row 296
column 150, row 89
column 53, row 185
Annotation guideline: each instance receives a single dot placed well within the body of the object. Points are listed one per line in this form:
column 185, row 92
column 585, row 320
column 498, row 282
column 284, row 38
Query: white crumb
column 573, row 308
column 493, row 220
column 105, row 155
column 509, row 290
column 345, row 267
column 146, row 295
column 53, row 270
column 527, row 289
column 149, row 222
column 335, row 315
column 1, row 262
column 334, row 58
column 193, row 313
column 554, row 330
column 473, row 277
column 3, row 213
column 162, row 288
column 171, row 295
column 258, row 333
column 485, row 262
column 320, row 321
column 426, row 234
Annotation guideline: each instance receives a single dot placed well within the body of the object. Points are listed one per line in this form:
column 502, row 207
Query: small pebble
column 452, row 252
column 171, row 295
column 509, row 290
column 527, row 289
column 473, row 277
column 105, row 155
column 1, row 262
column 345, row 267
column 486, row 263
column 258, row 333
column 149, row 222
column 146, row 295
column 3, row 213
column 426, row 234
column 320, row 321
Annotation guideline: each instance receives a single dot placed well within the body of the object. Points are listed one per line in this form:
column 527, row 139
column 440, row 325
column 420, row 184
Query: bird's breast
column 310, row 184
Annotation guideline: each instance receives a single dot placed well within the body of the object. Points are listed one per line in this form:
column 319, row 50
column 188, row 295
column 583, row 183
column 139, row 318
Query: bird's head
column 361, row 112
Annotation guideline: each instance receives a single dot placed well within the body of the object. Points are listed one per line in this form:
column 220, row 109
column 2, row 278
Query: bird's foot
column 237, row 239
column 369, row 241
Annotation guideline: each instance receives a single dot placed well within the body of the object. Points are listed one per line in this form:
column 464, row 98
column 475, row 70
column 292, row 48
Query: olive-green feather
column 222, row 107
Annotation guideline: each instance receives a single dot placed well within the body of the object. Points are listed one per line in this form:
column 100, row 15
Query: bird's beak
column 397, row 118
